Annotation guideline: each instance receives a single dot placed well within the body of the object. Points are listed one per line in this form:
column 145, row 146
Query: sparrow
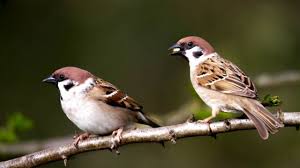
column 95, row 105
column 223, row 86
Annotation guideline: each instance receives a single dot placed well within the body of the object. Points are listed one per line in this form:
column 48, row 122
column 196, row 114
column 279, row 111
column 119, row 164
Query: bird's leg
column 80, row 137
column 116, row 138
column 214, row 113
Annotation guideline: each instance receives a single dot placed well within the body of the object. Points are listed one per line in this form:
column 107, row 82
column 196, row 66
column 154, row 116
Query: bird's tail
column 263, row 120
column 144, row 119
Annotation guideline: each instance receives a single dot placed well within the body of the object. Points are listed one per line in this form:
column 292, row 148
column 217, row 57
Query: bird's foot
column 207, row 120
column 80, row 137
column 116, row 138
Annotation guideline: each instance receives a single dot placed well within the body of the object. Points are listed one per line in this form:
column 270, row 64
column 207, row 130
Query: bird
column 222, row 85
column 96, row 106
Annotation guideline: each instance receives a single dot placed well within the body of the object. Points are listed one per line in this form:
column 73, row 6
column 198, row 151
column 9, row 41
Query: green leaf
column 7, row 135
column 15, row 124
column 271, row 101
column 18, row 122
column 204, row 113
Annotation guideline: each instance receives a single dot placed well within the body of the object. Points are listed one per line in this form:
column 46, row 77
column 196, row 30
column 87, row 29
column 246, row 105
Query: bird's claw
column 207, row 120
column 80, row 137
column 116, row 139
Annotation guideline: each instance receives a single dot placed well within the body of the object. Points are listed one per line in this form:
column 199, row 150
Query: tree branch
column 26, row 147
column 168, row 133
column 268, row 80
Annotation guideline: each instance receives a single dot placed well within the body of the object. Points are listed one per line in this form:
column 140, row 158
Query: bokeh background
column 126, row 42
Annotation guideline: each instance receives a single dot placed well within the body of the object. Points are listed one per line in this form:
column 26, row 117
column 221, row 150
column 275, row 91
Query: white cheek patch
column 63, row 83
column 76, row 90
column 61, row 86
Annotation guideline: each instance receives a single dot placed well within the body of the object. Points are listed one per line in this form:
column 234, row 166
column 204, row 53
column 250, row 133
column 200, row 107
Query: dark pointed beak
column 176, row 49
column 50, row 79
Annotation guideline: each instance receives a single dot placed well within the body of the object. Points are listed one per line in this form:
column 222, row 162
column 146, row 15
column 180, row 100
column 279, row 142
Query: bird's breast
column 94, row 116
column 215, row 99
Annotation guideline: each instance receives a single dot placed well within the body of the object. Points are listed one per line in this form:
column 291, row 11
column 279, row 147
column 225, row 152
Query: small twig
column 65, row 159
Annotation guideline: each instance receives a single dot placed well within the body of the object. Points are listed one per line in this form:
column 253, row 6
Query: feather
column 221, row 75
column 110, row 94
column 261, row 116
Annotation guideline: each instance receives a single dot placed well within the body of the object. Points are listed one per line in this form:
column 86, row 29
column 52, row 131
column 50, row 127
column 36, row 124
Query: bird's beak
column 176, row 49
column 50, row 79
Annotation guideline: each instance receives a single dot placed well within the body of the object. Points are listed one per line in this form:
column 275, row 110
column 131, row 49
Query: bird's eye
column 61, row 77
column 190, row 44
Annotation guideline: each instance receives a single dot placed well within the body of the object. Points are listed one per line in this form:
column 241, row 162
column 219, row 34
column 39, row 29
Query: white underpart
column 63, row 92
column 217, row 100
column 91, row 115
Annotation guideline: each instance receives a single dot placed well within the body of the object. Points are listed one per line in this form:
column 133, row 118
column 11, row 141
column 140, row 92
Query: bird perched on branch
column 222, row 85
column 96, row 106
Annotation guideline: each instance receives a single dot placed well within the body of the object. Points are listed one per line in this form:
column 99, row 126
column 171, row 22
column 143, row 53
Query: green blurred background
column 126, row 42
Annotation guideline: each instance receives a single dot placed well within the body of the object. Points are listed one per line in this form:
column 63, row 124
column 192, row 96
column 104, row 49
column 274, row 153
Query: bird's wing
column 221, row 75
column 110, row 94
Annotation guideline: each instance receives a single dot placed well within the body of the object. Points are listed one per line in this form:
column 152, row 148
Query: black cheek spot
column 197, row 54
column 68, row 86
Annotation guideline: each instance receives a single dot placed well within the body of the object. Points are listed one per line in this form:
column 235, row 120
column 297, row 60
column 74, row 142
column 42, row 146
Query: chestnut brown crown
column 189, row 42
column 72, row 73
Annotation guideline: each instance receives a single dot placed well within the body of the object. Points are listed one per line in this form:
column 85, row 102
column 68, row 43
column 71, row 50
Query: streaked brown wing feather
column 221, row 75
column 110, row 94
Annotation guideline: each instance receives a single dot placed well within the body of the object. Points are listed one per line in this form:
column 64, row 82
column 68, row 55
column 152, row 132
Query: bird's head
column 68, row 77
column 192, row 48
